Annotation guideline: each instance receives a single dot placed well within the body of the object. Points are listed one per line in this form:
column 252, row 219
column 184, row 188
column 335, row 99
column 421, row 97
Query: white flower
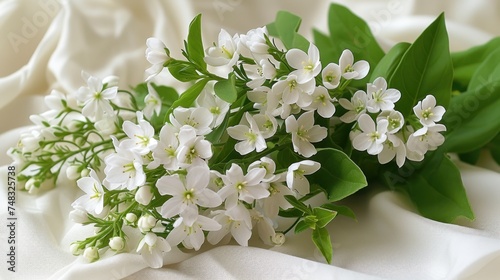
column 152, row 103
column 124, row 169
column 244, row 187
column 93, row 199
column 265, row 226
column 152, row 248
column 158, row 55
column 146, row 223
column 248, row 133
column 394, row 147
column 356, row 107
column 381, row 97
column 79, row 214
column 225, row 53
column 427, row 111
column 165, row 152
column 237, row 221
column 304, row 132
column 255, row 40
column 308, row 65
column 278, row 239
column 276, row 199
column 116, row 243
column 371, row 138
column 295, row 176
column 95, row 98
column 268, row 165
column 426, row 139
column 192, row 149
column 91, row 254
column 144, row 195
column 75, row 249
column 198, row 118
column 322, row 102
column 192, row 236
column 291, row 91
column 187, row 194
column 331, row 76
column 217, row 107
column 351, row 70
column 141, row 136
column 267, row 124
column 395, row 120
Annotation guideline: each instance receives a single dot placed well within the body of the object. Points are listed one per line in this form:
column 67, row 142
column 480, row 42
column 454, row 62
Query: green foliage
column 226, row 89
column 285, row 27
column 195, row 50
column 187, row 98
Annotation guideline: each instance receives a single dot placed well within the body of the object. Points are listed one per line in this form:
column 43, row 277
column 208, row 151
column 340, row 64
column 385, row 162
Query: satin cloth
column 45, row 44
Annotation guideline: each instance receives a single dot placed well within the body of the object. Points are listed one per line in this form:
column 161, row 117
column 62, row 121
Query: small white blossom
column 351, row 70
column 394, row 147
column 187, row 194
column 322, row 102
column 268, row 165
column 295, row 176
column 427, row 111
column 382, row 98
column 152, row 248
column 248, row 133
column 276, row 199
column 293, row 92
column 191, row 235
column 255, row 40
column 124, row 169
column 395, row 120
column 426, row 139
column 217, row 107
column 265, row 226
column 165, row 152
column 93, row 199
column 278, row 239
column 158, row 55
column 95, row 98
column 371, row 138
column 356, row 107
column 198, row 118
column 237, row 221
column 146, row 223
column 304, row 132
column 141, row 136
column 267, row 124
column 243, row 187
column 307, row 65
column 225, row 53
column 144, row 195
column 91, row 254
column 331, row 75
column 192, row 149
column 116, row 243
column 152, row 103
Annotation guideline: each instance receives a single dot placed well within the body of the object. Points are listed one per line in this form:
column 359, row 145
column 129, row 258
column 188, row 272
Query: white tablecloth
column 46, row 43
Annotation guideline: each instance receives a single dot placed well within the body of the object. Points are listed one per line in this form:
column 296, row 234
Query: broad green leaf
column 182, row 71
column 471, row 157
column 348, row 31
column 140, row 92
column 321, row 238
column 167, row 94
column 435, row 188
column 286, row 157
column 473, row 118
column 425, row 68
column 495, row 149
column 301, row 226
column 195, row 43
column 326, row 48
column 324, row 216
column 285, row 27
column 386, row 66
column 297, row 204
column 187, row 98
column 339, row 176
column 465, row 63
column 226, row 89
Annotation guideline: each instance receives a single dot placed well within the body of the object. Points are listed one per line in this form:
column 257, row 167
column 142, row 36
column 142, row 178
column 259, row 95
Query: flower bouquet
column 270, row 133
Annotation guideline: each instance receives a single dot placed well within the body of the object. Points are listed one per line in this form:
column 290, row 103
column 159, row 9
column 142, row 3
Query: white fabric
column 46, row 45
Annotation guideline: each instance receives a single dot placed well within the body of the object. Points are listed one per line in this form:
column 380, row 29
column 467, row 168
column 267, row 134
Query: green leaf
column 339, row 176
column 226, row 89
column 425, row 68
column 435, row 188
column 286, row 157
column 388, row 64
column 470, row 157
column 327, row 51
column 195, row 48
column 340, row 209
column 465, row 63
column 167, row 94
column 297, row 204
column 324, row 216
column 473, row 118
column 182, row 71
column 285, row 27
column 140, row 92
column 348, row 31
column 321, row 239
column 301, row 226
column 187, row 98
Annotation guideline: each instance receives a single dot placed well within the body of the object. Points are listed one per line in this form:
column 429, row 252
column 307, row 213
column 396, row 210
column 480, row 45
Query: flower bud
column 32, row 186
column 79, row 215
column 146, row 223
column 116, row 243
column 91, row 254
column 85, row 172
column 144, row 195
column 72, row 172
column 130, row 218
column 278, row 239
column 75, row 249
